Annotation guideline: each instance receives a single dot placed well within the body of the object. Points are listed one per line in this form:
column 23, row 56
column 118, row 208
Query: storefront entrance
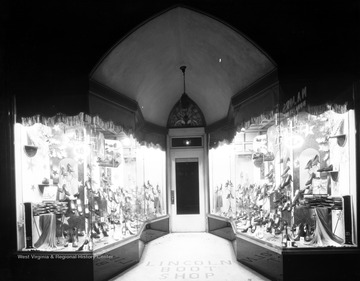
column 187, row 189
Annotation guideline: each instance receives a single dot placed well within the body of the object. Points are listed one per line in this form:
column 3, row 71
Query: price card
column 50, row 192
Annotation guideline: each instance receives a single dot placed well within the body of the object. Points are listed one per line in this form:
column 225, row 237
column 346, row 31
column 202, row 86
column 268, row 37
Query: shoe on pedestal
column 326, row 169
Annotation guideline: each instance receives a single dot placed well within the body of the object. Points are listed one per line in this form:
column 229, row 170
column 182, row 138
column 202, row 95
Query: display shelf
column 101, row 264
column 293, row 263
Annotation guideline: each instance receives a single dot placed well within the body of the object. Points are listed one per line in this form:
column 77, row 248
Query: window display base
column 101, row 264
column 288, row 264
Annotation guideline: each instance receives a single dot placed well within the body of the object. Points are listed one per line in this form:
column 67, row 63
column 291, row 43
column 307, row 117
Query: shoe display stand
column 88, row 197
column 296, row 197
column 101, row 264
column 277, row 263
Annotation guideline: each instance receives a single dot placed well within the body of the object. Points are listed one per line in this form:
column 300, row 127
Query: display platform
column 101, row 264
column 276, row 263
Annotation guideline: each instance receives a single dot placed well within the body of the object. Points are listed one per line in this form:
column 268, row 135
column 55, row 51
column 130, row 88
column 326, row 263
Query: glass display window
column 291, row 181
column 81, row 185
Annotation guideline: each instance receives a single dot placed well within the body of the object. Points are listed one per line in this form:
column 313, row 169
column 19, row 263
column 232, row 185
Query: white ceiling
column 144, row 65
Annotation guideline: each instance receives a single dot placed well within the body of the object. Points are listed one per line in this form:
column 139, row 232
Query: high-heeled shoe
column 285, row 171
column 253, row 228
column 296, row 198
column 88, row 185
column 296, row 232
column 287, row 206
column 94, row 234
column 79, row 207
column 104, row 229
column 96, row 227
column 308, row 165
column 270, row 174
column 87, row 211
column 81, row 248
column 66, row 238
column 309, row 181
column 286, row 182
column 75, row 237
column 276, row 222
column 247, row 226
column 96, row 207
column 110, row 195
column 72, row 206
column 269, row 226
column 315, row 160
column 130, row 228
column 307, row 233
column 280, row 228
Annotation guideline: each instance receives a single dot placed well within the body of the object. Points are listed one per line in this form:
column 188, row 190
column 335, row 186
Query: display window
column 82, row 184
column 290, row 180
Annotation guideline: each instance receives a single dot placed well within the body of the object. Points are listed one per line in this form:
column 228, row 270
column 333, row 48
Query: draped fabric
column 333, row 92
column 323, row 235
column 78, row 120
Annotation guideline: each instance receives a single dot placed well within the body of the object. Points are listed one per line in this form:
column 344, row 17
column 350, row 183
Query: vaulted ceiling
column 145, row 65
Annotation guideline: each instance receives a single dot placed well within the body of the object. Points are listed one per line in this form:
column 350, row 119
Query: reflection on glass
column 287, row 184
column 85, row 187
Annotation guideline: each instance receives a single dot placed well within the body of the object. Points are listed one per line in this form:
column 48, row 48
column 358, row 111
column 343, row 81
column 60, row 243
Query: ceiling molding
column 255, row 89
column 112, row 96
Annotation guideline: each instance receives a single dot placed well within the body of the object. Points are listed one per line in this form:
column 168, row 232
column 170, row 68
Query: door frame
column 187, row 152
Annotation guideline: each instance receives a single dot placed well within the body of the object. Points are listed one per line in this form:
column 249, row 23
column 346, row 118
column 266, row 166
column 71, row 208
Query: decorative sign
column 295, row 104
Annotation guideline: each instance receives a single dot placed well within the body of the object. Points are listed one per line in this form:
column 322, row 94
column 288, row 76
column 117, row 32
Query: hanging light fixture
column 184, row 100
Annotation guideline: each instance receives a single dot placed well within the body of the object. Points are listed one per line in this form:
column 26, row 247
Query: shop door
column 187, row 191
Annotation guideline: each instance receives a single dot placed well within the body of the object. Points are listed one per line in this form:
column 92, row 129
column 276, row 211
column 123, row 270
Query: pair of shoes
column 326, row 169
column 312, row 162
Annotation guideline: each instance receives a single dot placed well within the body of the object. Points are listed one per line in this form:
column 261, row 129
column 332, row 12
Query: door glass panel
column 187, row 188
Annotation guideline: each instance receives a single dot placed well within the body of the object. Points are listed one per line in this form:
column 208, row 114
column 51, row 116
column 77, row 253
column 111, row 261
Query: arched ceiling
column 144, row 65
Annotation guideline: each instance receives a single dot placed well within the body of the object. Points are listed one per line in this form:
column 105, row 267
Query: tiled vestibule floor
column 189, row 256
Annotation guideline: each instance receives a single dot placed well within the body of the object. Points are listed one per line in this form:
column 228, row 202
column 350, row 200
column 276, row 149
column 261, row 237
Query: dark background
column 48, row 49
